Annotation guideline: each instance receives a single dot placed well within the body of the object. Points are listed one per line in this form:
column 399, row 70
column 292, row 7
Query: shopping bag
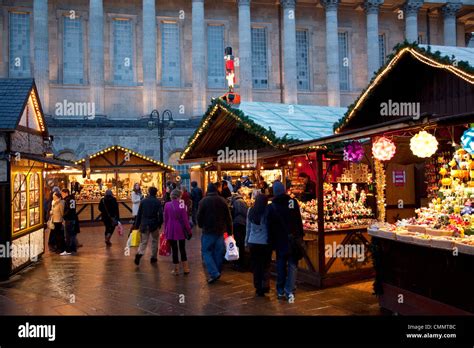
column 120, row 229
column 134, row 238
column 232, row 252
column 50, row 224
column 165, row 247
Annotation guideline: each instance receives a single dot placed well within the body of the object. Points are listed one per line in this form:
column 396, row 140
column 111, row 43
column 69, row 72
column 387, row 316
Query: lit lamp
column 467, row 140
column 423, row 144
column 383, row 149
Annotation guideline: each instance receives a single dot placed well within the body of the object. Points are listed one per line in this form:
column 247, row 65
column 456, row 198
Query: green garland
column 245, row 123
column 462, row 65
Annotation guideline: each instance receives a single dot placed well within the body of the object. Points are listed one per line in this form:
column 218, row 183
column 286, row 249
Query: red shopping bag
column 165, row 247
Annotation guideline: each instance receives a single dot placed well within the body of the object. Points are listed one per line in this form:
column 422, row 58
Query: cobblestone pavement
column 103, row 281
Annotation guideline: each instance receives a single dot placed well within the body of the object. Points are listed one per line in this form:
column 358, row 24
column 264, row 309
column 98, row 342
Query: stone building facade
column 102, row 66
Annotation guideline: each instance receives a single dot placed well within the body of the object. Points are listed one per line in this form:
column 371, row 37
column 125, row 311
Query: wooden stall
column 118, row 169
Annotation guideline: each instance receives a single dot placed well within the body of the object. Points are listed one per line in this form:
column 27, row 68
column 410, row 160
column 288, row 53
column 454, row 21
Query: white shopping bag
column 232, row 252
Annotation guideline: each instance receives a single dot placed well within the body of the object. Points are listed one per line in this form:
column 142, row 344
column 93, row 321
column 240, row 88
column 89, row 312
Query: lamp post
column 160, row 124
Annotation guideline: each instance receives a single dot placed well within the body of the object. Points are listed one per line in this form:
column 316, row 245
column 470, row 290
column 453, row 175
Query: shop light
column 300, row 164
column 423, row 144
column 467, row 140
column 276, row 164
column 261, row 168
column 289, row 163
column 383, row 149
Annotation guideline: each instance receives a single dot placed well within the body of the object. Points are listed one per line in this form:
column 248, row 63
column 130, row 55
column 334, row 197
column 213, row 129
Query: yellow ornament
column 452, row 163
column 443, row 171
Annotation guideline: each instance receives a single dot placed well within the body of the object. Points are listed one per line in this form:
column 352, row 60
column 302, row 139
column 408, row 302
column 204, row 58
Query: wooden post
column 219, row 172
column 320, row 196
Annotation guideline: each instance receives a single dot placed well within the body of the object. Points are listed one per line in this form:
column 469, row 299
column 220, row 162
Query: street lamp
column 160, row 124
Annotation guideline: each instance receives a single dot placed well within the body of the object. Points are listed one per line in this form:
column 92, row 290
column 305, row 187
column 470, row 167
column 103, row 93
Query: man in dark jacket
column 284, row 222
column 196, row 196
column 149, row 220
column 109, row 209
column 214, row 218
column 70, row 222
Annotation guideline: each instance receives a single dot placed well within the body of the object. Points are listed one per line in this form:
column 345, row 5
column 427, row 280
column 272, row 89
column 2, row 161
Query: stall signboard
column 399, row 177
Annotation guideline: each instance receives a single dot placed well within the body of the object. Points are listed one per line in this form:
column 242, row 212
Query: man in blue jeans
column 214, row 218
column 284, row 222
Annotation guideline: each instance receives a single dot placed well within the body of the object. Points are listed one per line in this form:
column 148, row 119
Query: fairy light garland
column 380, row 184
column 37, row 110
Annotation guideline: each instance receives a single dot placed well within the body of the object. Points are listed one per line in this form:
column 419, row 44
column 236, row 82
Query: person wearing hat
column 176, row 222
column 149, row 220
column 214, row 218
column 109, row 209
column 246, row 181
column 285, row 226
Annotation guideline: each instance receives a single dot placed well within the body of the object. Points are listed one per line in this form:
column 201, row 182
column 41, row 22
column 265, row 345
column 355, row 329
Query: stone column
column 41, row 58
column 449, row 12
column 149, row 56
column 96, row 55
column 289, row 83
column 199, row 59
column 245, row 51
column 373, row 61
column 332, row 52
column 411, row 9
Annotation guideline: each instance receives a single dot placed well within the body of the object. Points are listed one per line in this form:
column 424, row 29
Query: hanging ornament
column 353, row 152
column 383, row 149
column 467, row 140
column 423, row 144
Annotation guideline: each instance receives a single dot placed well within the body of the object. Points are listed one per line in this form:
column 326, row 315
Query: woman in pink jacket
column 176, row 228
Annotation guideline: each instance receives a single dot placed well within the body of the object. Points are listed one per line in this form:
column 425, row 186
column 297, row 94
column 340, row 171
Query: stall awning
column 53, row 163
column 433, row 81
column 266, row 127
column 118, row 157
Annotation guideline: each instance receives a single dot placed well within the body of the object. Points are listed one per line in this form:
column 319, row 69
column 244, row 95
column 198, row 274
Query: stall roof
column 120, row 161
column 414, row 67
column 273, row 125
column 54, row 162
column 14, row 95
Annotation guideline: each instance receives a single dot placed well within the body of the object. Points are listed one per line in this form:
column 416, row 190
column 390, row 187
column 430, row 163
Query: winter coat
column 57, row 211
column 213, row 215
column 70, row 208
column 283, row 220
column 150, row 215
column 257, row 234
column 226, row 193
column 196, row 196
column 136, row 199
column 186, row 197
column 176, row 218
column 239, row 210
column 108, row 206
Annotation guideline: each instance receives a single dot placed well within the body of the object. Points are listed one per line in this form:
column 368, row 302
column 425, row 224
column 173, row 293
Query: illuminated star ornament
column 467, row 140
column 423, row 144
column 383, row 149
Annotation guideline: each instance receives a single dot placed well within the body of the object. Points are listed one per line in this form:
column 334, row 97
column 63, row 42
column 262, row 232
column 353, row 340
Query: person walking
column 70, row 222
column 239, row 218
column 257, row 241
column 285, row 228
column 108, row 206
column 214, row 218
column 196, row 196
column 137, row 197
column 56, row 215
column 176, row 228
column 226, row 193
column 149, row 220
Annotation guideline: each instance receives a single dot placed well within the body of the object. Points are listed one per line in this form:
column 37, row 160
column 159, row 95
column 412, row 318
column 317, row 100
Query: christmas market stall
column 415, row 125
column 116, row 168
column 260, row 134
column 25, row 158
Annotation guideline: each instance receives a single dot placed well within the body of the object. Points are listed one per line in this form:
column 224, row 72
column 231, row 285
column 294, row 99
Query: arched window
column 19, row 203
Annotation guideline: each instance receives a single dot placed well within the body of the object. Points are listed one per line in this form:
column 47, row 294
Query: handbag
column 165, row 247
column 187, row 234
column 50, row 224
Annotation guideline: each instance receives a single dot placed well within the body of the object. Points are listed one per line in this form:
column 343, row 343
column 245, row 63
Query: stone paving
column 103, row 281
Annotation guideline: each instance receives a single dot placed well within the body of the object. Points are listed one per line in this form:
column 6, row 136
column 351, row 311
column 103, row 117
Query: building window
column 302, row 59
column 26, row 201
column 259, row 58
column 19, row 203
column 382, row 49
column 215, row 56
column 170, row 54
column 420, row 39
column 123, row 51
column 19, row 44
column 344, row 61
column 73, row 55
column 34, row 199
